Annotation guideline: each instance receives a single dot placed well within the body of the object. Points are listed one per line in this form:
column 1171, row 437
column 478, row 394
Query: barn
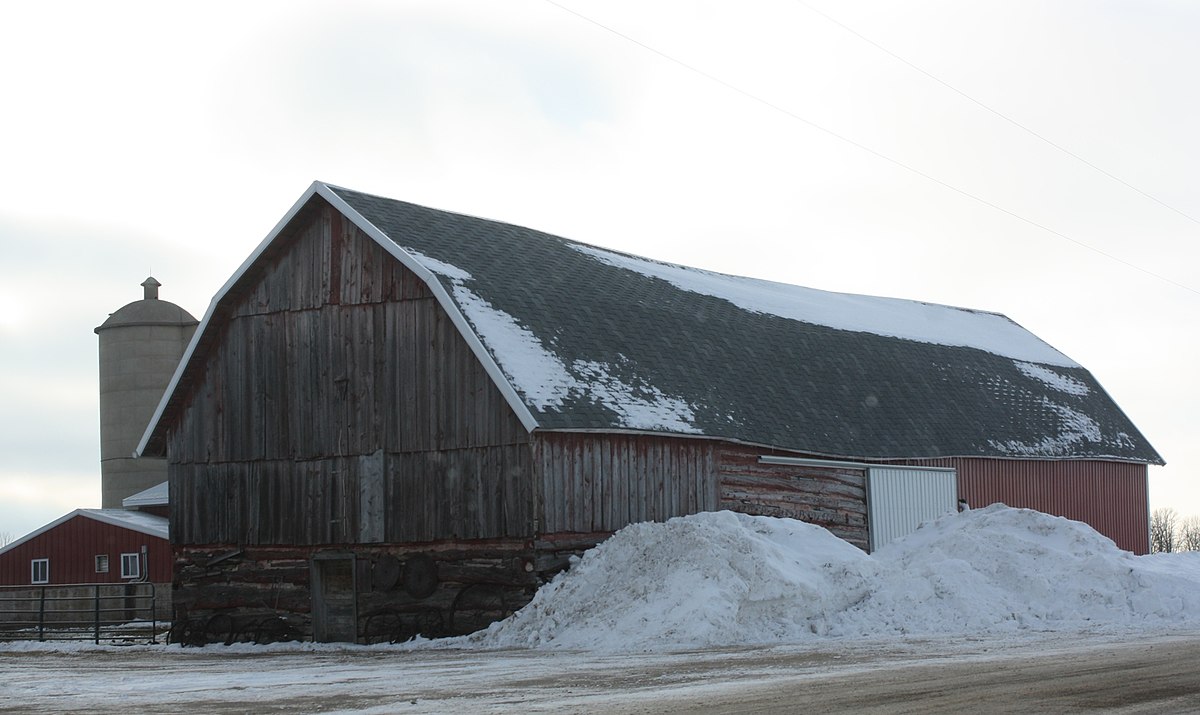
column 394, row 418
column 90, row 546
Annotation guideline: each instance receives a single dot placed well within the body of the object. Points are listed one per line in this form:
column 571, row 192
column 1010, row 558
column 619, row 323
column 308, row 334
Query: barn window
column 40, row 571
column 130, row 566
column 102, row 563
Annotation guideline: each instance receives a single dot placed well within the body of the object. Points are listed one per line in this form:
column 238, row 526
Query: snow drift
column 731, row 579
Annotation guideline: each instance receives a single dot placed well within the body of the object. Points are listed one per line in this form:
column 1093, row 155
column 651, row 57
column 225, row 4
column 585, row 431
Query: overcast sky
column 747, row 138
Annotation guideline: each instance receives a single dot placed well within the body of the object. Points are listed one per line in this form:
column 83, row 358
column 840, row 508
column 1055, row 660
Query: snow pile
column 1001, row 569
column 728, row 579
column 705, row 579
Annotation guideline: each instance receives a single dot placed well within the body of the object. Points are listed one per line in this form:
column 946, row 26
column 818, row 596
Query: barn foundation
column 360, row 593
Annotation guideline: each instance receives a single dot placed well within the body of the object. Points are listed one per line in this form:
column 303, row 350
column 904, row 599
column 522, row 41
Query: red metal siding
column 72, row 548
column 1112, row 497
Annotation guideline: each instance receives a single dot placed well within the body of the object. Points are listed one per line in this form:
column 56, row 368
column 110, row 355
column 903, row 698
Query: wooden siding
column 72, row 547
column 329, row 353
column 1112, row 497
column 602, row 482
column 832, row 497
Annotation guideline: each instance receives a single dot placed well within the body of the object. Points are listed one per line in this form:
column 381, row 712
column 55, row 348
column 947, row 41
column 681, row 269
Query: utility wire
column 997, row 112
column 928, row 177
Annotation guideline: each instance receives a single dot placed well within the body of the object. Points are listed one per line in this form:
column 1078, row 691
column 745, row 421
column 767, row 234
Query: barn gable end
column 336, row 379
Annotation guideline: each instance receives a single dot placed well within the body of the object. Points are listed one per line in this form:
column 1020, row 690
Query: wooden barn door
column 334, row 599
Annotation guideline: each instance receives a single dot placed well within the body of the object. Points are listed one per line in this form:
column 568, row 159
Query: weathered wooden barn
column 394, row 418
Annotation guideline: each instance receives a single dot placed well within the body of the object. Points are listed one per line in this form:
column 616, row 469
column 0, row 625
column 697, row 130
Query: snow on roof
column 890, row 317
column 134, row 520
column 585, row 338
column 547, row 381
column 722, row 579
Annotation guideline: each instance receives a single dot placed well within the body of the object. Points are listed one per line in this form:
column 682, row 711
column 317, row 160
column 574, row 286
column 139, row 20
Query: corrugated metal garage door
column 899, row 499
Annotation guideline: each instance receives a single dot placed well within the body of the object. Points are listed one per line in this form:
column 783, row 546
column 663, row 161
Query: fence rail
column 120, row 612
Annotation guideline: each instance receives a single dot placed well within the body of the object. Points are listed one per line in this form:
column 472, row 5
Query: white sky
column 158, row 136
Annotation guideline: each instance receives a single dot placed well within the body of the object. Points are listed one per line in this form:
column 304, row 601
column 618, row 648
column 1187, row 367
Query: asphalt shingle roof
column 595, row 340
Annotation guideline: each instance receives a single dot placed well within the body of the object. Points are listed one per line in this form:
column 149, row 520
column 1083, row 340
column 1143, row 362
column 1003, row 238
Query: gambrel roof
column 584, row 338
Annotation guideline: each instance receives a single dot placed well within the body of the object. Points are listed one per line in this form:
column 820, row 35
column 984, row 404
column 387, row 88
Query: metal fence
column 110, row 612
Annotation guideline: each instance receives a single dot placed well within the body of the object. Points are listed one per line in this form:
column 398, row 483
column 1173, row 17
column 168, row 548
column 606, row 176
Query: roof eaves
column 156, row 495
column 1157, row 460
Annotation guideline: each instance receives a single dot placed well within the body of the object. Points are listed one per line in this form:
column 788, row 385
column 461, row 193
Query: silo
column 140, row 346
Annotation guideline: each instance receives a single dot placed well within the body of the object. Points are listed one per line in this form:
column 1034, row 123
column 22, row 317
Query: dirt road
column 1160, row 677
column 1053, row 674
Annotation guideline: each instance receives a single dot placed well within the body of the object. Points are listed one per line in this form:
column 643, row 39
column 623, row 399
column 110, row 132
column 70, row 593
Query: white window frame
column 131, row 565
column 101, row 563
column 44, row 565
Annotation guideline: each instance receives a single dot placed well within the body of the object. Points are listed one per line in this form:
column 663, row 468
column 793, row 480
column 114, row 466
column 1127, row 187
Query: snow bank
column 1002, row 569
column 731, row 579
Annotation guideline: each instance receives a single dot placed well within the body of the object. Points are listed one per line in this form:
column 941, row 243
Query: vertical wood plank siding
column 832, row 497
column 330, row 352
column 602, row 482
column 1110, row 496
column 72, row 547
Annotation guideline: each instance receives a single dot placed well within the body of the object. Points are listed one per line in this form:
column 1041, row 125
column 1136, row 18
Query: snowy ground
column 997, row 609
column 1048, row 673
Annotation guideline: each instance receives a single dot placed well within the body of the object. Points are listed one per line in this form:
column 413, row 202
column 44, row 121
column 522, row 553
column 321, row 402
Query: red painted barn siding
column 72, row 548
column 1110, row 496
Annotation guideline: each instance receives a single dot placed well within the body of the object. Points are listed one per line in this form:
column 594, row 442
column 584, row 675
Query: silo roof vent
column 148, row 311
column 151, row 287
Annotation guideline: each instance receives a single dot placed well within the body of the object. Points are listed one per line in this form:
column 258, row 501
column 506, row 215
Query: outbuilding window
column 102, row 563
column 40, row 571
column 130, row 566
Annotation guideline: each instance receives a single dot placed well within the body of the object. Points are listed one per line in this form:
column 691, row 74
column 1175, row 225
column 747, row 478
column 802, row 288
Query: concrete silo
column 140, row 346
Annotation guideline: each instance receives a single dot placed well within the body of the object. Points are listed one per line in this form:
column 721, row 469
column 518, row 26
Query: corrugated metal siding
column 900, row 499
column 1110, row 496
column 72, row 548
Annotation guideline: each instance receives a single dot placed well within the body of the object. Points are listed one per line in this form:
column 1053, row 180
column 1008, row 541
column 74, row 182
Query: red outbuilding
column 90, row 546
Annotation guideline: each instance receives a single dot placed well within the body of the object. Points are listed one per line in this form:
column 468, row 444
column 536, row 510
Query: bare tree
column 1162, row 530
column 1188, row 534
column 6, row 538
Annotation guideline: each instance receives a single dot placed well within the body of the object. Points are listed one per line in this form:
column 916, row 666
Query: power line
column 928, row 177
column 997, row 112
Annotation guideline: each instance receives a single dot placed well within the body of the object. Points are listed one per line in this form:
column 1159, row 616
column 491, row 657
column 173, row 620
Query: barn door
column 899, row 499
column 334, row 599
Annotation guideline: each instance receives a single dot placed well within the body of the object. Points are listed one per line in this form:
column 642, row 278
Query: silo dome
column 140, row 346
